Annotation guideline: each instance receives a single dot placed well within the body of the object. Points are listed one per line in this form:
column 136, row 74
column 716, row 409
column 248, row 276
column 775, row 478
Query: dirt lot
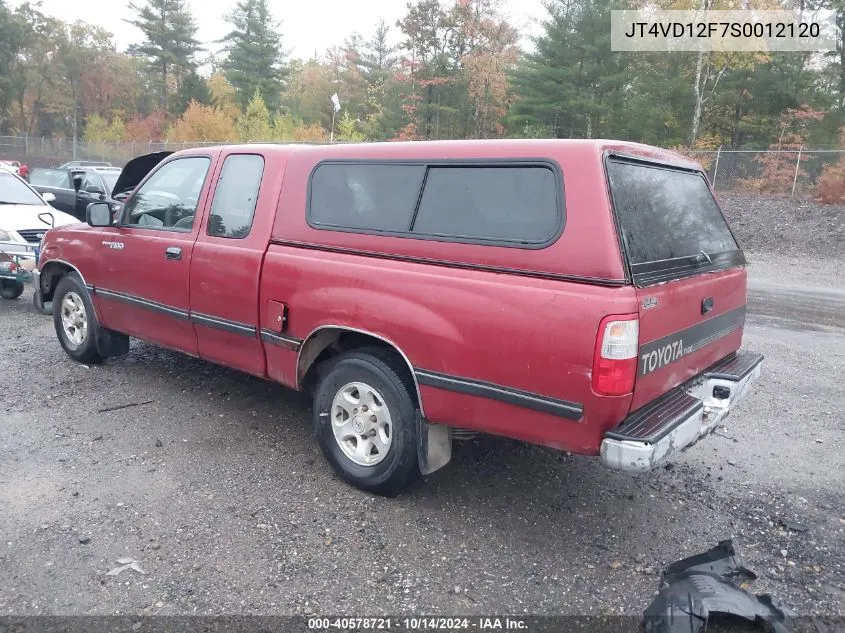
column 214, row 484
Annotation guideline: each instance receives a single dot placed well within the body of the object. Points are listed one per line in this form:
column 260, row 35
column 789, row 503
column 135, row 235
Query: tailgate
column 688, row 270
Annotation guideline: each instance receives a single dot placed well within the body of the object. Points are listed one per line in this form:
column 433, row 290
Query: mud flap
column 111, row 344
column 434, row 445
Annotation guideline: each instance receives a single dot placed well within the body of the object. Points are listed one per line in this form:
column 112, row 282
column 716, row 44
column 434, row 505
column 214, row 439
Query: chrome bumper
column 648, row 437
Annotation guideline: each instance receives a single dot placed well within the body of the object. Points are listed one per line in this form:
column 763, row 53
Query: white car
column 25, row 211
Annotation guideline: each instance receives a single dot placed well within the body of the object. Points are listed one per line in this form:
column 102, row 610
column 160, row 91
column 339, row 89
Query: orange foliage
column 203, row 123
column 703, row 150
column 779, row 164
column 151, row 127
column 830, row 187
column 309, row 134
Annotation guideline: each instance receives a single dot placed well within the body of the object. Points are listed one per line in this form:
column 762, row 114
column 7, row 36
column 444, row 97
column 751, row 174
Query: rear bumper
column 649, row 436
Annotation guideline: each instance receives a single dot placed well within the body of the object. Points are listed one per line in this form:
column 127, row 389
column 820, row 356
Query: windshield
column 110, row 177
column 14, row 191
column 40, row 177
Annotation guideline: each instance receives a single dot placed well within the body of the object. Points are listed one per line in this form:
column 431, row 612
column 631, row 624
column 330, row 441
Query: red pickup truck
column 586, row 295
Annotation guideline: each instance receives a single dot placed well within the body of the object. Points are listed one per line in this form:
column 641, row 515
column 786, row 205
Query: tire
column 365, row 422
column 10, row 289
column 74, row 319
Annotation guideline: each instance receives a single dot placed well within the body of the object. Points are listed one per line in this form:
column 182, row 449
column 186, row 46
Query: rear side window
column 235, row 197
column 373, row 197
column 507, row 205
column 667, row 214
column 515, row 204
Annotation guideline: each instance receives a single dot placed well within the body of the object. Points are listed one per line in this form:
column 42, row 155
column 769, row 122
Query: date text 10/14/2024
column 403, row 624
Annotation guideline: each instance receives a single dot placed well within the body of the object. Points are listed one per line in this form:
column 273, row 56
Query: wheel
column 73, row 317
column 10, row 289
column 365, row 421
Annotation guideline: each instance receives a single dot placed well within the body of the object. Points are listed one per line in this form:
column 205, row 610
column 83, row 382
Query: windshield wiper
column 706, row 256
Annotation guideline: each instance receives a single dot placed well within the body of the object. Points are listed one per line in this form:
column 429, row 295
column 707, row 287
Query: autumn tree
column 491, row 53
column 222, row 95
column 782, row 166
column 149, row 128
column 255, row 60
column 203, row 123
column 306, row 96
column 169, row 45
column 98, row 129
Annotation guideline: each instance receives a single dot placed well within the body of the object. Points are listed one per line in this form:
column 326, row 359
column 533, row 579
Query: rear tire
column 10, row 289
column 365, row 421
column 74, row 319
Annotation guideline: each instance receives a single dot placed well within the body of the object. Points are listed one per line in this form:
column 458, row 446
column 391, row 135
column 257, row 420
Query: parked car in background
column 85, row 163
column 77, row 187
column 26, row 211
column 19, row 168
column 584, row 295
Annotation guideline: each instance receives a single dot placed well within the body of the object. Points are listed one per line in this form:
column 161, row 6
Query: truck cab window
column 168, row 200
column 233, row 207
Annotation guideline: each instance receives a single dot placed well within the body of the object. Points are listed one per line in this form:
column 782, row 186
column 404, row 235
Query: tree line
column 456, row 72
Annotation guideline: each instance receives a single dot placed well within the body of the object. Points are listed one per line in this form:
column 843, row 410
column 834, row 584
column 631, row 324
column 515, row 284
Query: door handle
column 173, row 252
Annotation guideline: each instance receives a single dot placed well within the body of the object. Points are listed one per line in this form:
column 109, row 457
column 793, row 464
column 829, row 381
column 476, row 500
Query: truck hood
column 136, row 170
column 24, row 217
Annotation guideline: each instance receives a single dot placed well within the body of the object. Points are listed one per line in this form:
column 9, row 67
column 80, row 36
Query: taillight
column 615, row 360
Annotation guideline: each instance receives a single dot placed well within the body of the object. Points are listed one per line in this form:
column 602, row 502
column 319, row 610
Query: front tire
column 74, row 320
column 365, row 422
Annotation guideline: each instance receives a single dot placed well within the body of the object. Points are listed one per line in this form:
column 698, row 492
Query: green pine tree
column 170, row 44
column 573, row 83
column 193, row 88
column 254, row 123
column 255, row 60
column 347, row 130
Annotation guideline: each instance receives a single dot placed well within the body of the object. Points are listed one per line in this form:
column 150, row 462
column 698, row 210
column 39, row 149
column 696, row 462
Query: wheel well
column 327, row 343
column 51, row 273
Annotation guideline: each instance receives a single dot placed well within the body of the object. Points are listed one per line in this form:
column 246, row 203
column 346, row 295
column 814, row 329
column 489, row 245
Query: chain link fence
column 792, row 172
column 48, row 152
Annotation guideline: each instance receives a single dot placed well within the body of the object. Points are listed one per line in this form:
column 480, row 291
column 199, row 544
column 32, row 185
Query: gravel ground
column 212, row 481
column 780, row 225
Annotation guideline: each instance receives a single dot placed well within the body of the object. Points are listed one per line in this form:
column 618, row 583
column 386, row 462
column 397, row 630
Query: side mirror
column 47, row 218
column 98, row 214
column 48, row 197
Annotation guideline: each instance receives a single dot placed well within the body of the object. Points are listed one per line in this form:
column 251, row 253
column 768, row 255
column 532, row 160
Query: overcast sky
column 308, row 26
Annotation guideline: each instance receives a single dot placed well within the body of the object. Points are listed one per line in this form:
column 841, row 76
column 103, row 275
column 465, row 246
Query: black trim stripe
column 205, row 320
column 517, row 397
column 89, row 288
column 679, row 344
column 233, row 327
column 143, row 303
column 286, row 342
column 598, row 281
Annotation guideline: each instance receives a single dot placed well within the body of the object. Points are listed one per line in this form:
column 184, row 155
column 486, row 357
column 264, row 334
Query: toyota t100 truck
column 586, row 295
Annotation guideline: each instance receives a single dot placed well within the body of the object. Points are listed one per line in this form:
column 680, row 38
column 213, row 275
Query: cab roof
column 458, row 149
